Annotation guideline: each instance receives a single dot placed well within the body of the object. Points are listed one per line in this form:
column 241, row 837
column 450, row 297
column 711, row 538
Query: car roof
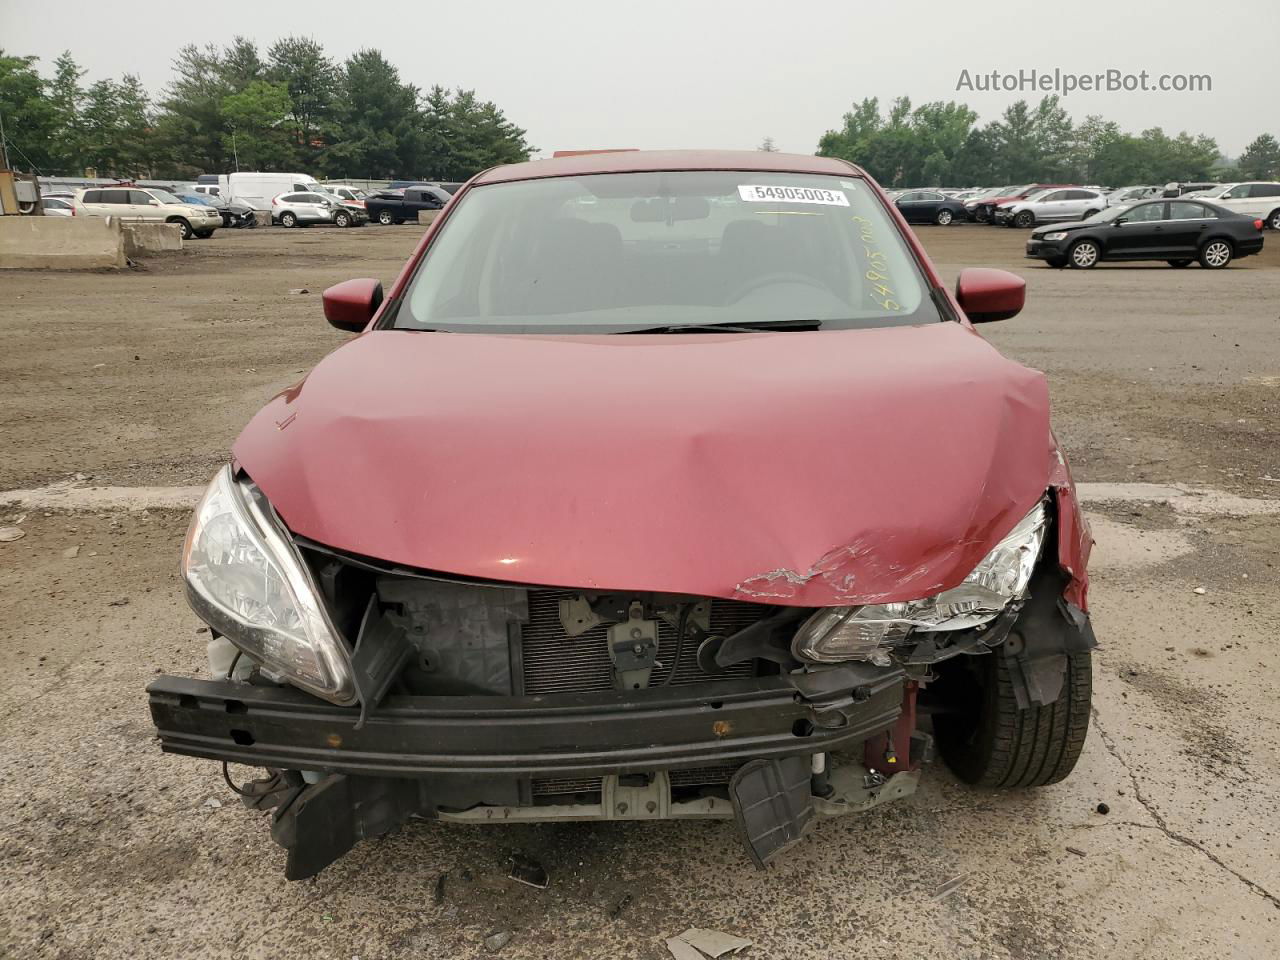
column 648, row 161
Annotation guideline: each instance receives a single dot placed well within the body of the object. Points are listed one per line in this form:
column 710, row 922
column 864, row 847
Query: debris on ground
column 213, row 803
column 698, row 944
column 948, row 887
column 616, row 910
column 1077, row 851
column 1103, row 809
column 1200, row 591
column 297, row 290
column 438, row 897
column 10, row 534
column 528, row 871
column 71, row 552
column 496, row 941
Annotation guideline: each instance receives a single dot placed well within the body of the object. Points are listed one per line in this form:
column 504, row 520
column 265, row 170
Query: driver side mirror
column 350, row 305
column 986, row 295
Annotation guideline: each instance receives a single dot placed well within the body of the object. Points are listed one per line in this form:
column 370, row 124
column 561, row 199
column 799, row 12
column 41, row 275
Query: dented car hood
column 806, row 468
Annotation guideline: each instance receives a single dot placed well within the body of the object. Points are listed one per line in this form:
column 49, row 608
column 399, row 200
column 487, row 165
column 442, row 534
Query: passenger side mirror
column 986, row 295
column 350, row 305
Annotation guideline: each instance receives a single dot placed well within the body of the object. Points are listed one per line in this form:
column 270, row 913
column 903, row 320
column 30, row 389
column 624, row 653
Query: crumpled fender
column 1075, row 539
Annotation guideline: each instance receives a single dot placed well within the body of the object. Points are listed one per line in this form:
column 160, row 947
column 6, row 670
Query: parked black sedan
column 929, row 206
column 1177, row 231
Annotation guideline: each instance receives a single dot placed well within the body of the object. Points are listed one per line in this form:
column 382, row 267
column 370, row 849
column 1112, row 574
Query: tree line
column 941, row 144
column 228, row 108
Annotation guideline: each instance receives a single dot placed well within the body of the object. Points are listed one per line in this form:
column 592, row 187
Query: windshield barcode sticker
column 756, row 193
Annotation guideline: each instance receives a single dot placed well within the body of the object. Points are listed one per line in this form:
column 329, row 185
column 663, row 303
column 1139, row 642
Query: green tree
column 382, row 136
column 191, row 132
column 1261, row 159
column 258, row 117
column 66, row 95
column 29, row 118
column 311, row 79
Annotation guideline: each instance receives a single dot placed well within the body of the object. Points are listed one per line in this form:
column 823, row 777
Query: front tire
column 1089, row 213
column 1179, row 263
column 288, row 219
column 1056, row 262
column 385, row 218
column 991, row 743
column 342, row 218
column 1024, row 219
column 1273, row 219
column 187, row 232
column 1084, row 255
column 204, row 234
column 1215, row 254
column 943, row 218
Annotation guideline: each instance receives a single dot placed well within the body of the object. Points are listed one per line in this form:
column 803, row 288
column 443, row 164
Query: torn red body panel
column 810, row 469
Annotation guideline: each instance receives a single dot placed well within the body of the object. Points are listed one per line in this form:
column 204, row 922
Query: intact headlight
column 1056, row 235
column 861, row 633
column 247, row 581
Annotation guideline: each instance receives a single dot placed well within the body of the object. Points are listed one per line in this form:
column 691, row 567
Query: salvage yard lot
column 143, row 378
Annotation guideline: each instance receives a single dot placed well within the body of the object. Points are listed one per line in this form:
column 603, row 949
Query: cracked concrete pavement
column 109, row 849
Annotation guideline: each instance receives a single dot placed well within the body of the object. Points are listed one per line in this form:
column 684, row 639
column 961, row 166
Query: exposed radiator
column 556, row 663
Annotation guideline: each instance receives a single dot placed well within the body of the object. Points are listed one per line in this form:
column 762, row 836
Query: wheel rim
column 342, row 219
column 1217, row 254
column 287, row 219
column 1023, row 220
column 1084, row 255
column 384, row 217
column 944, row 217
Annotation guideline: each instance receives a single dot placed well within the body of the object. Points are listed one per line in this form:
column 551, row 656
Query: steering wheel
column 779, row 277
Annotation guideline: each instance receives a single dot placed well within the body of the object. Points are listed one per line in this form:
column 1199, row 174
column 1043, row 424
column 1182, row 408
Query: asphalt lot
column 108, row 849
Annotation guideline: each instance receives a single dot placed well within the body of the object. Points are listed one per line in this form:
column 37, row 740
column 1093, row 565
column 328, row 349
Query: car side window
column 312, row 198
column 292, row 198
column 139, row 198
column 1184, row 210
column 1265, row 190
column 932, row 197
column 1147, row 213
column 908, row 197
column 115, row 196
column 92, row 196
column 1056, row 195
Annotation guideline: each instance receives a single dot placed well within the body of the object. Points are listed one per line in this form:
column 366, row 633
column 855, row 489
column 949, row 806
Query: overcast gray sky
column 662, row 73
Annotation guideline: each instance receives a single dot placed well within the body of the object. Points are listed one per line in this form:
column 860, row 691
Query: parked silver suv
column 1049, row 206
column 300, row 209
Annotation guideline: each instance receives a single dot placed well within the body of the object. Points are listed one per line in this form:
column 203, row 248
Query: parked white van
column 257, row 189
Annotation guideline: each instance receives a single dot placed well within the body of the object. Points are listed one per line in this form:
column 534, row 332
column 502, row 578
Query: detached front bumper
column 567, row 735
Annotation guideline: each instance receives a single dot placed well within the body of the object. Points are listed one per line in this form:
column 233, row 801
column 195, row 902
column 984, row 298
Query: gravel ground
column 110, row 849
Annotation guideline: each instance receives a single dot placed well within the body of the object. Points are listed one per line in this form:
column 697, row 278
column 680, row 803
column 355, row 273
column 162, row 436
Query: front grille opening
column 555, row 663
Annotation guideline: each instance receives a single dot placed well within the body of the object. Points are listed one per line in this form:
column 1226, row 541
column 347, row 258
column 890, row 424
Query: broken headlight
column 861, row 633
column 247, row 581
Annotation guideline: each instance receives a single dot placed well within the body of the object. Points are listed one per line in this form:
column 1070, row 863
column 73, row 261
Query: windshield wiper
column 754, row 326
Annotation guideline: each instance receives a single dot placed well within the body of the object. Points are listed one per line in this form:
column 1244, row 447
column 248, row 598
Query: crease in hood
column 803, row 468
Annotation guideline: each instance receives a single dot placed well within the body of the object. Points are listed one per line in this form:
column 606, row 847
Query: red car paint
column 812, row 469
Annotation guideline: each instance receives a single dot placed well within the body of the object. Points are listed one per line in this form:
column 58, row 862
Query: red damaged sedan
column 660, row 485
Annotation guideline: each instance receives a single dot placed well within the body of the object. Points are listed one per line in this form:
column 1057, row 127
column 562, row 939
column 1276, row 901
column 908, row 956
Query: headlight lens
column 1056, row 235
column 247, row 581
column 862, row 633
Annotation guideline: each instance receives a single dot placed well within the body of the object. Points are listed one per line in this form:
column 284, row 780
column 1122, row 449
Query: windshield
column 164, row 196
column 1037, row 194
column 609, row 253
